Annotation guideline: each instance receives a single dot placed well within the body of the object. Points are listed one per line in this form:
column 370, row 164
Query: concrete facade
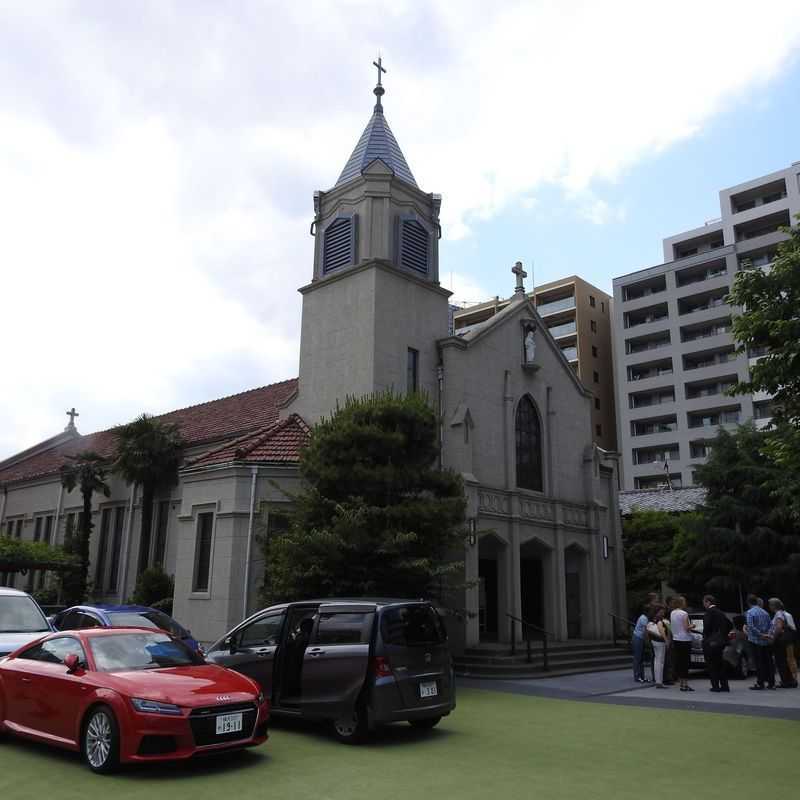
column 673, row 349
column 580, row 317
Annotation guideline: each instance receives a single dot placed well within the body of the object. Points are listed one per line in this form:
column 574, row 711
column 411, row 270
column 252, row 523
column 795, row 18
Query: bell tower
column 374, row 308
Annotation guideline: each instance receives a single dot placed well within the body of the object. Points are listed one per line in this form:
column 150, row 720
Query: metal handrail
column 614, row 626
column 526, row 626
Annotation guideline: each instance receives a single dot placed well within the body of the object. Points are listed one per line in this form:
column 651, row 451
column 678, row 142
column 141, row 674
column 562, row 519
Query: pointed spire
column 377, row 141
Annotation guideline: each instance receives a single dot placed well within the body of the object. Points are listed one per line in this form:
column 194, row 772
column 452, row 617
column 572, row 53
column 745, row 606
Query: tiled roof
column 207, row 422
column 377, row 141
column 671, row 500
column 279, row 442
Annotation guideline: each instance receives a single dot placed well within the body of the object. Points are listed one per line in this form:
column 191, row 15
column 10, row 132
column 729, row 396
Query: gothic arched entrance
column 491, row 587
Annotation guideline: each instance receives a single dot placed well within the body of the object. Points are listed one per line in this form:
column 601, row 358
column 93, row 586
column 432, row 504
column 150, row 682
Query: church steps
column 563, row 658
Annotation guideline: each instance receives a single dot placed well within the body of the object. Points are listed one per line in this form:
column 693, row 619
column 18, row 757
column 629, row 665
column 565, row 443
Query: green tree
column 149, row 452
column 87, row 471
column 770, row 321
column 154, row 586
column 743, row 540
column 377, row 516
column 649, row 545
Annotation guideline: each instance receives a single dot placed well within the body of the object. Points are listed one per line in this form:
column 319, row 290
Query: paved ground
column 618, row 687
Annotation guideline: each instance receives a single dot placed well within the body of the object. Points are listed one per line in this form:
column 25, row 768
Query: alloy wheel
column 99, row 737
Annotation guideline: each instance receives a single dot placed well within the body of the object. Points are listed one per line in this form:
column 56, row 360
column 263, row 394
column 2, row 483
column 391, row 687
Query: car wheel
column 100, row 745
column 351, row 729
column 425, row 724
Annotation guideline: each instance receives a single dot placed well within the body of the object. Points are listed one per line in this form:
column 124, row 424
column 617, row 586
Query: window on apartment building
column 598, row 430
column 594, row 351
column 596, row 376
column 591, row 301
column 202, row 555
column 412, row 370
column 593, row 326
column 597, row 403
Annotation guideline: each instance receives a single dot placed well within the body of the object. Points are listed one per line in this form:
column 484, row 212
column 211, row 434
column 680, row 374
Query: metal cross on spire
column 379, row 91
column 72, row 413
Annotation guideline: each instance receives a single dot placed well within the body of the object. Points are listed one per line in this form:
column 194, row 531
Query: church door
column 531, row 591
column 487, row 604
column 573, row 586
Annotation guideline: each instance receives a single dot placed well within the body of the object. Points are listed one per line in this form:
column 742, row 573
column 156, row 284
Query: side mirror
column 230, row 644
column 72, row 663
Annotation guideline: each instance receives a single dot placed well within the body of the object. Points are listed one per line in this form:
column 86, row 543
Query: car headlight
column 154, row 707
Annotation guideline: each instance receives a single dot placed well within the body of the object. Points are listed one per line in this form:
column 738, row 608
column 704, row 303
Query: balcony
column 697, row 246
column 686, row 277
column 712, row 419
column 702, row 302
column 709, row 358
column 647, row 399
column 645, row 343
column 658, row 481
column 643, row 316
column 656, row 455
column 714, row 328
column 636, row 291
column 761, row 226
column 570, row 353
column 760, row 196
column 700, row 449
column 567, row 329
column 648, row 427
column 554, row 306
column 710, row 388
column 653, row 369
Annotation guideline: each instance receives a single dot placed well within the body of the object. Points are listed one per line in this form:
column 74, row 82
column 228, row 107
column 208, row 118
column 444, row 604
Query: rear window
column 343, row 628
column 146, row 619
column 412, row 625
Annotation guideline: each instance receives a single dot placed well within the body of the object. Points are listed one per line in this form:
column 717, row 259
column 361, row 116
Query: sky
column 158, row 162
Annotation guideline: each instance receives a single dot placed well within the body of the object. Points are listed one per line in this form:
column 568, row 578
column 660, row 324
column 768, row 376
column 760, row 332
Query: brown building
column 578, row 316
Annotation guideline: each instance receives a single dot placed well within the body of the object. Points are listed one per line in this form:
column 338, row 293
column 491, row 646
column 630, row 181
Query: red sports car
column 127, row 695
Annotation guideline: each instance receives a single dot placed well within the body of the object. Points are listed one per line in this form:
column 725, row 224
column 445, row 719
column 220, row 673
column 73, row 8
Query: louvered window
column 414, row 245
column 338, row 244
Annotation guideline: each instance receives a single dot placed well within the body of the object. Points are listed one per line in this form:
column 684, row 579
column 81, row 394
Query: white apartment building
column 674, row 355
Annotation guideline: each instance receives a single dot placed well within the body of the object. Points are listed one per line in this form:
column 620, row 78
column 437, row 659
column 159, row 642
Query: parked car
column 737, row 656
column 107, row 616
column 354, row 663
column 124, row 695
column 21, row 620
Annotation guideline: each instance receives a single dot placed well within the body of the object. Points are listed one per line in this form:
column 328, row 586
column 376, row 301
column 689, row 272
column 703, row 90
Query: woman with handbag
column 782, row 637
column 657, row 634
column 681, row 630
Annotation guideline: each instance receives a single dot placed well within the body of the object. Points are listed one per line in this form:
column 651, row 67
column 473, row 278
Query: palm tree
column 149, row 452
column 86, row 470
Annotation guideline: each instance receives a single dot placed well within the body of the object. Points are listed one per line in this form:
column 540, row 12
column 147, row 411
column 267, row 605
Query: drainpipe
column 250, row 525
column 440, row 383
column 58, row 513
column 3, row 499
column 127, row 548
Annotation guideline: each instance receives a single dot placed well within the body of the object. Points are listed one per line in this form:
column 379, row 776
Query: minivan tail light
column 381, row 668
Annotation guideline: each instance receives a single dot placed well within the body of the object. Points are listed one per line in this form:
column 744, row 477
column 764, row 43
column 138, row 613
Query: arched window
column 529, row 446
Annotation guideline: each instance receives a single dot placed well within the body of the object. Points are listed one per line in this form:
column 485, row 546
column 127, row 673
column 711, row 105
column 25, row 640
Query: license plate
column 697, row 659
column 428, row 689
column 228, row 723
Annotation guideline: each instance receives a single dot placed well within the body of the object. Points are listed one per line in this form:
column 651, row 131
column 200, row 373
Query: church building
column 514, row 420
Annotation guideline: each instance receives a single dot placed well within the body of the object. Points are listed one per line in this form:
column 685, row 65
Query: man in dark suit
column 716, row 627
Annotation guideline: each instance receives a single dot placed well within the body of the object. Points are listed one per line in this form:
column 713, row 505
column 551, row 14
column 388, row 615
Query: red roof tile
column 280, row 442
column 207, row 422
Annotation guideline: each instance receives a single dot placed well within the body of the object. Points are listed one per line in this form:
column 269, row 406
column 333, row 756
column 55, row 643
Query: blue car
column 106, row 616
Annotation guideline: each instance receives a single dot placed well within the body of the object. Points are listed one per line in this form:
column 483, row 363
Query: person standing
column 638, row 640
column 780, row 635
column 681, row 631
column 716, row 627
column 657, row 634
column 757, row 627
column 791, row 648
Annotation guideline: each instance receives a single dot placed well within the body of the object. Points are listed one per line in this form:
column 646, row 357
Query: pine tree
column 377, row 515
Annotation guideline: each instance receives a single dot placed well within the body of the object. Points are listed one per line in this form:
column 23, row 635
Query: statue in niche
column 530, row 346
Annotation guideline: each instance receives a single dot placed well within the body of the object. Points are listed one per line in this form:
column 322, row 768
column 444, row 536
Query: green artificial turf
column 493, row 746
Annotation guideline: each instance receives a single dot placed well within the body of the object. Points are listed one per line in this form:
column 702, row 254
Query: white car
column 21, row 620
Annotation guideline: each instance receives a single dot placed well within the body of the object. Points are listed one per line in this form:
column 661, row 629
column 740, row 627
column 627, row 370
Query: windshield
column 20, row 614
column 412, row 625
column 128, row 651
column 146, row 619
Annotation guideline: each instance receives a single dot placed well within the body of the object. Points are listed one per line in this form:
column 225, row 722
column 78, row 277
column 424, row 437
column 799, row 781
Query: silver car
column 21, row 620
column 356, row 663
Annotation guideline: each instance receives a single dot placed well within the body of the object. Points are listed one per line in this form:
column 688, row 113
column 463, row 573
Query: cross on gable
column 520, row 273
column 72, row 413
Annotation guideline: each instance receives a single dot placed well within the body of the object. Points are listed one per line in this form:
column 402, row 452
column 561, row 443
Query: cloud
column 157, row 161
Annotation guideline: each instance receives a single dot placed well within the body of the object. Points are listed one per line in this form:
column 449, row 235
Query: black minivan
column 357, row 663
